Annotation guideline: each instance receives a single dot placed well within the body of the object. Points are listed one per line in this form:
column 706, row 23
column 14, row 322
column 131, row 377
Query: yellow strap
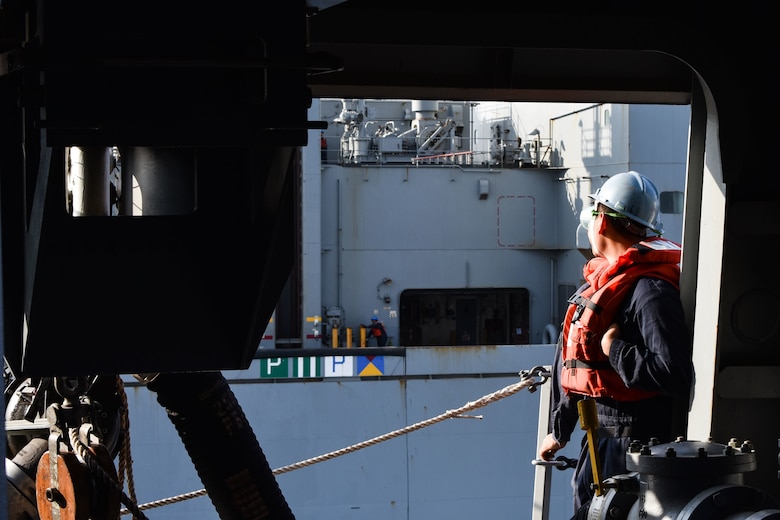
column 589, row 422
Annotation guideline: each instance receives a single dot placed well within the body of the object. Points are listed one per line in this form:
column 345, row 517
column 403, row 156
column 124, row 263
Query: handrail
column 440, row 156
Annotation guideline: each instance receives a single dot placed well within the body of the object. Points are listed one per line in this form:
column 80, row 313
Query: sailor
column 624, row 341
column 377, row 330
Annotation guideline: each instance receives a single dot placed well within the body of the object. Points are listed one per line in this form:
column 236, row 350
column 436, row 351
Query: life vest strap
column 578, row 363
column 581, row 303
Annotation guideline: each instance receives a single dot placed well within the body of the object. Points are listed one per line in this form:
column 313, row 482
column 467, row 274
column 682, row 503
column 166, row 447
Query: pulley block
column 71, row 493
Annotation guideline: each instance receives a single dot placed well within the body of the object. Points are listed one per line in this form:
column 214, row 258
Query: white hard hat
column 634, row 196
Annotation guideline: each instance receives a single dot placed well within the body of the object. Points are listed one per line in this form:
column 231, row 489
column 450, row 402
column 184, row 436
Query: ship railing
column 452, row 158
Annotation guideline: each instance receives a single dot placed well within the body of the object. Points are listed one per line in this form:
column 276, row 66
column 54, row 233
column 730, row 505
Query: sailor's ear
column 601, row 224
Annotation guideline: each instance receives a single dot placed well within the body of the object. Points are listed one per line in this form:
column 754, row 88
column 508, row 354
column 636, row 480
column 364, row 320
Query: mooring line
column 529, row 380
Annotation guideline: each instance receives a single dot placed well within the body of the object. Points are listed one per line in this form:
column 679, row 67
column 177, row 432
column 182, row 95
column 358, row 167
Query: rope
column 86, row 457
column 125, row 457
column 473, row 405
column 457, row 412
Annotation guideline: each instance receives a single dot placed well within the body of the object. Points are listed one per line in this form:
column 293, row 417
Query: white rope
column 479, row 403
column 449, row 414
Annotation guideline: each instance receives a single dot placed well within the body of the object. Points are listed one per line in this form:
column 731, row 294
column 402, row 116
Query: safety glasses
column 595, row 212
column 589, row 214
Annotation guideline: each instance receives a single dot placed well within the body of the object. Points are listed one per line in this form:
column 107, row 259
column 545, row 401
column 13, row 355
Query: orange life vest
column 586, row 370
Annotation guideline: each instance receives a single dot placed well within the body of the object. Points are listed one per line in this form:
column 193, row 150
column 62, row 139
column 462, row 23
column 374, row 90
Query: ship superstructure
column 457, row 223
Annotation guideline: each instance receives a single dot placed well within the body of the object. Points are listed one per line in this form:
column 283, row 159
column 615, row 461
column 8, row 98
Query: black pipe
column 22, row 473
column 222, row 446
